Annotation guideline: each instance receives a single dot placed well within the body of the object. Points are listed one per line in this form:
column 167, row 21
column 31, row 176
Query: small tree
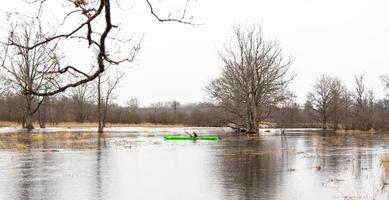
column 338, row 103
column 347, row 107
column 286, row 115
column 81, row 96
column 253, row 78
column 175, row 105
column 363, row 105
column 106, row 86
column 132, row 109
column 325, row 98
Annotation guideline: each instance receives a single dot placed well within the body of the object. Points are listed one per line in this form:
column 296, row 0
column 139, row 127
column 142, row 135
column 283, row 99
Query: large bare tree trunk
column 27, row 121
column 249, row 116
column 42, row 114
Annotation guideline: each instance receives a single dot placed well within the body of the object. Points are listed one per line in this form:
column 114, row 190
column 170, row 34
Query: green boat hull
column 184, row 137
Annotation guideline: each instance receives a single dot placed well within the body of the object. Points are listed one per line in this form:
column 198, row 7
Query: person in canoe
column 193, row 135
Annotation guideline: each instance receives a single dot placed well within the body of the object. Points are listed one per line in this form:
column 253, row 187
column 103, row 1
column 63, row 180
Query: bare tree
column 347, row 107
column 3, row 84
column 385, row 80
column 132, row 109
column 381, row 108
column 91, row 23
column 81, row 96
column 363, row 105
column 285, row 117
column 105, row 94
column 133, row 104
column 326, row 92
column 253, row 78
column 29, row 68
column 337, row 102
column 175, row 104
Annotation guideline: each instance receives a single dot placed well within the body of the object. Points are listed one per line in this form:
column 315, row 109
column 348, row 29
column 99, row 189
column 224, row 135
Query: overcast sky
column 336, row 37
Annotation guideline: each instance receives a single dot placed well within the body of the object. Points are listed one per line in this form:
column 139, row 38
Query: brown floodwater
column 304, row 164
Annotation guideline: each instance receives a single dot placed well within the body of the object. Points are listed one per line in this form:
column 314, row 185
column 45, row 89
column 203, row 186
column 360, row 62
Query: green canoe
column 184, row 137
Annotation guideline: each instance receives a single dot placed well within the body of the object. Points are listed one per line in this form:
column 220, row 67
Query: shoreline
column 5, row 124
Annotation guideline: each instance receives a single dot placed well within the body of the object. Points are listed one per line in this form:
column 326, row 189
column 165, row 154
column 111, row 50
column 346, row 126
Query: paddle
column 186, row 132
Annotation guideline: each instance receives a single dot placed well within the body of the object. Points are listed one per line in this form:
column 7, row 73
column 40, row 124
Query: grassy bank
column 9, row 124
column 89, row 125
column 371, row 131
column 23, row 141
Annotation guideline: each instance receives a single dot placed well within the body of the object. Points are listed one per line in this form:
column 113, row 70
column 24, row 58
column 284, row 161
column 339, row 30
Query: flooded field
column 139, row 164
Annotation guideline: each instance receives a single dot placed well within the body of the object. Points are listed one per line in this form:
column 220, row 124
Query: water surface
column 304, row 164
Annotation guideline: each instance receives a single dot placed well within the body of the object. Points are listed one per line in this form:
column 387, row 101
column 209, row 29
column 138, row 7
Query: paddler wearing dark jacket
column 193, row 135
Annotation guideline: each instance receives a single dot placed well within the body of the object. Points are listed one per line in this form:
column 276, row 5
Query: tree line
column 330, row 104
column 333, row 105
column 80, row 107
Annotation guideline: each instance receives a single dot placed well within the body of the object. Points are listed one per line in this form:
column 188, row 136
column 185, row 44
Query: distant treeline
column 348, row 114
column 73, row 109
column 349, row 117
column 344, row 113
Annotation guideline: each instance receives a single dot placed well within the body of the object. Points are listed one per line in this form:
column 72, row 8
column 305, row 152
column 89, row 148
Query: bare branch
column 180, row 20
column 94, row 28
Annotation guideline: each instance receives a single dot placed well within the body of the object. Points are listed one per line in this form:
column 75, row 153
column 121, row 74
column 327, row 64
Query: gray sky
column 337, row 37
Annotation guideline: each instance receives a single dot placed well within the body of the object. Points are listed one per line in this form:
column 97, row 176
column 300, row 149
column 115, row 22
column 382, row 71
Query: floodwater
column 304, row 164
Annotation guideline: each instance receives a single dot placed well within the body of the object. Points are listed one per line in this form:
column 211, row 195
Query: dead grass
column 385, row 166
column 44, row 136
column 90, row 125
column 24, row 141
column 9, row 124
column 385, row 162
column 325, row 143
column 356, row 132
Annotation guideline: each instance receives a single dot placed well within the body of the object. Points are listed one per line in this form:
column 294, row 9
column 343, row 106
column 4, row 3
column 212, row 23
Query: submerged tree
column 253, row 77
